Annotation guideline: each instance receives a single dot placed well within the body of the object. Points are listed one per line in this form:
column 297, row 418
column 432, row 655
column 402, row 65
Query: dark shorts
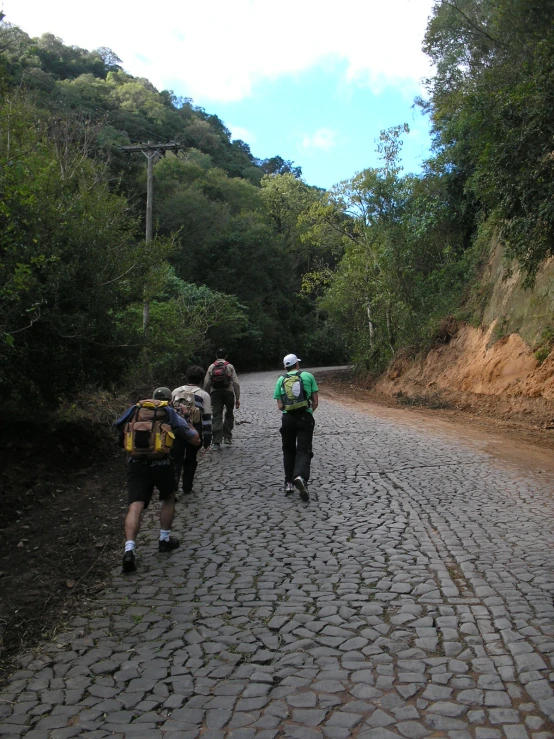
column 143, row 477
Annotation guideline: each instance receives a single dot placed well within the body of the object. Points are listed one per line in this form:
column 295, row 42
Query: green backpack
column 293, row 394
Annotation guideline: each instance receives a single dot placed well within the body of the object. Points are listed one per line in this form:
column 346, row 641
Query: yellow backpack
column 148, row 434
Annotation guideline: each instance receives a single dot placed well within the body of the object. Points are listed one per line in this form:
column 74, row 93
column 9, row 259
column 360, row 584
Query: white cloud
column 238, row 132
column 222, row 50
column 323, row 138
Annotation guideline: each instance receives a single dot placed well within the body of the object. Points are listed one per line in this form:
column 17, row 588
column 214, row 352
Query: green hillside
column 244, row 251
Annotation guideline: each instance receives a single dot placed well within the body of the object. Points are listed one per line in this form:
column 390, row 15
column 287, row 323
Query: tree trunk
column 389, row 328
column 371, row 326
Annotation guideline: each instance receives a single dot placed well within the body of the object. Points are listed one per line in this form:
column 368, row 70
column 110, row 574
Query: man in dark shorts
column 143, row 475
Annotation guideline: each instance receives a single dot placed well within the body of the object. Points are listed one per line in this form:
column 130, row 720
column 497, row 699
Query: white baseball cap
column 290, row 360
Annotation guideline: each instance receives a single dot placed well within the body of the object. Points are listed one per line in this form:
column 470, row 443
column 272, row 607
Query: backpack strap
column 298, row 373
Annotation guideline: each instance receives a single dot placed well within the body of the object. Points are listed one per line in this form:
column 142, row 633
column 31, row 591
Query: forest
column 244, row 251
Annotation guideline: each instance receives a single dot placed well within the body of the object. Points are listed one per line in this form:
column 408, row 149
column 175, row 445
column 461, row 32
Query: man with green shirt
column 296, row 394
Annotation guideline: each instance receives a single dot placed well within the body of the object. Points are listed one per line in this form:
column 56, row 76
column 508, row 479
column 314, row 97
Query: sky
column 312, row 81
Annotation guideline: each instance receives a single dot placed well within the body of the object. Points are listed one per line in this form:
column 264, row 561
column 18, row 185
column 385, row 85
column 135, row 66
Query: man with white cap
column 296, row 394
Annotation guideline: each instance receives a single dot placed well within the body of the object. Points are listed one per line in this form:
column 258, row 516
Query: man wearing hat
column 296, row 394
column 149, row 471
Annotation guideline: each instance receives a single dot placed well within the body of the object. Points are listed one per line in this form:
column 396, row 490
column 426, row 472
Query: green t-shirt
column 308, row 380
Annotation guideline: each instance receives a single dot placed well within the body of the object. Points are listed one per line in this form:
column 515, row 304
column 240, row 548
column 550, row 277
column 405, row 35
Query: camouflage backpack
column 191, row 411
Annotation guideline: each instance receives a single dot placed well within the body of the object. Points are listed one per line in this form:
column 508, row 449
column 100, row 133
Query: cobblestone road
column 411, row 597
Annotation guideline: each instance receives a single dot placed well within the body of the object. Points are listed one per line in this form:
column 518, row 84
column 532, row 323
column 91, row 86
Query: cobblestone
column 411, row 597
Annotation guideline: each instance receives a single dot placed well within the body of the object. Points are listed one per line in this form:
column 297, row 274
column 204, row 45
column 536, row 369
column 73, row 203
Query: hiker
column 147, row 431
column 222, row 383
column 196, row 406
column 296, row 394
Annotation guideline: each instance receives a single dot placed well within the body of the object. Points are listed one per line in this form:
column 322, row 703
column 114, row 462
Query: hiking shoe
column 216, row 447
column 301, row 486
column 289, row 488
column 187, row 492
column 227, row 440
column 166, row 545
column 129, row 564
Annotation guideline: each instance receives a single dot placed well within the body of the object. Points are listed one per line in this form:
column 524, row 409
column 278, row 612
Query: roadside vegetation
column 244, row 251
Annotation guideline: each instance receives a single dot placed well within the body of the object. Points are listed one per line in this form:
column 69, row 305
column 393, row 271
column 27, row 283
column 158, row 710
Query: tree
column 67, row 254
column 491, row 103
column 278, row 165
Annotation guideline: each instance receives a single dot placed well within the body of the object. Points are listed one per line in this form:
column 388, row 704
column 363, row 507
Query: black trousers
column 184, row 456
column 297, row 431
column 190, row 463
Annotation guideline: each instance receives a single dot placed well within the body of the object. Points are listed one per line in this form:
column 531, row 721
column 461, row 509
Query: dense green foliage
column 414, row 245
column 405, row 260
column 245, row 252
column 75, row 269
column 491, row 102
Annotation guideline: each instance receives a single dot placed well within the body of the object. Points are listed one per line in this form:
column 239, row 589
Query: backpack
column 293, row 393
column 192, row 412
column 220, row 377
column 148, row 434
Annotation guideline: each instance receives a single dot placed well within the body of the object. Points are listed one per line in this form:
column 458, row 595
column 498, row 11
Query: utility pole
column 151, row 151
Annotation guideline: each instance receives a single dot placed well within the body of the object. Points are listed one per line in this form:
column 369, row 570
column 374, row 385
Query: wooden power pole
column 151, row 151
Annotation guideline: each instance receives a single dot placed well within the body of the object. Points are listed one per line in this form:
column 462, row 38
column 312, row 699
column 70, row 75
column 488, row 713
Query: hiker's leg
column 190, row 464
column 217, row 415
column 178, row 455
column 164, row 475
column 132, row 520
column 229, row 422
column 288, row 436
column 167, row 512
column 304, row 436
column 139, row 492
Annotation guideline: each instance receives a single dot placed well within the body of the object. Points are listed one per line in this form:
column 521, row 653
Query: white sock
column 130, row 546
column 164, row 535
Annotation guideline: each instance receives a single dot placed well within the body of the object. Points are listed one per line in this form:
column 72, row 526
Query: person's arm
column 311, row 388
column 206, row 420
column 119, row 425
column 184, row 430
column 122, row 420
column 236, row 386
column 277, row 394
column 207, row 379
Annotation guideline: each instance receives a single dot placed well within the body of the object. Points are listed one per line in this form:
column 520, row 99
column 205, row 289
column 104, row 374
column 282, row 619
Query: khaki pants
column 223, row 418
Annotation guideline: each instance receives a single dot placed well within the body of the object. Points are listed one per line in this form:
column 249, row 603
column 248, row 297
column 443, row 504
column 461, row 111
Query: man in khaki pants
column 222, row 383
